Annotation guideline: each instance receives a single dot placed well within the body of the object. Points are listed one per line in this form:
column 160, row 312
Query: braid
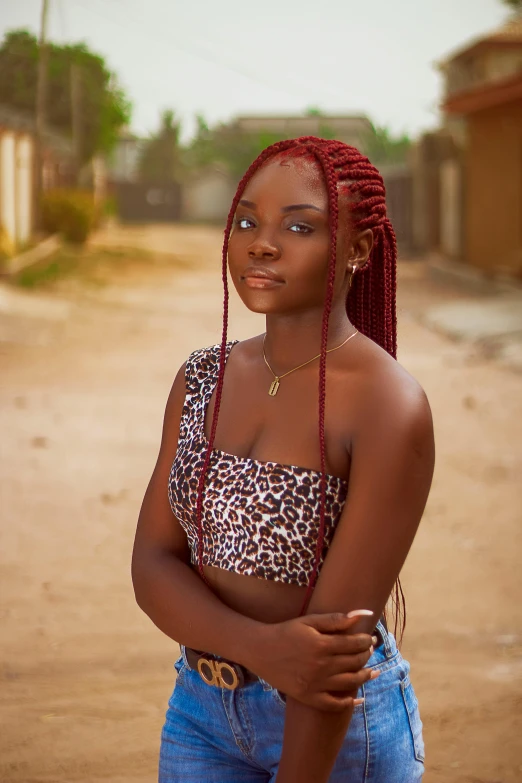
column 371, row 305
column 331, row 184
column 222, row 354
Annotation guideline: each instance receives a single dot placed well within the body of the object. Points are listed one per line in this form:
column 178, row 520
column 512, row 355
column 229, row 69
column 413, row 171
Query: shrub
column 7, row 246
column 109, row 206
column 72, row 213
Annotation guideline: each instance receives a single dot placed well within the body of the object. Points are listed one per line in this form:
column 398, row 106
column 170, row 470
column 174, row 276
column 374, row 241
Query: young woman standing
column 293, row 472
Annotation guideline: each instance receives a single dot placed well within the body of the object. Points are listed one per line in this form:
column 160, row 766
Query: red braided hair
column 371, row 304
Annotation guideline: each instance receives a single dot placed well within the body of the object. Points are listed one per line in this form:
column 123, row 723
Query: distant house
column 17, row 172
column 351, row 129
column 207, row 194
column 138, row 201
column 493, row 58
column 124, row 160
column 483, row 111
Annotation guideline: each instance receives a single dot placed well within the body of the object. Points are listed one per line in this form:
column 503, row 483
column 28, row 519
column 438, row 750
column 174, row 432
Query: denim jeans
column 213, row 735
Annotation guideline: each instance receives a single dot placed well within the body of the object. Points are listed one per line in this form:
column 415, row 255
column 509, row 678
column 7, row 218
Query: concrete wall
column 24, row 189
column 493, row 233
column 398, row 181
column 208, row 198
column 437, row 194
column 451, row 208
column 16, row 185
column 8, row 183
column 125, row 159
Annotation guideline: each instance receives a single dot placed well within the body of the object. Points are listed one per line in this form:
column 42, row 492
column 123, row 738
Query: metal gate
column 148, row 202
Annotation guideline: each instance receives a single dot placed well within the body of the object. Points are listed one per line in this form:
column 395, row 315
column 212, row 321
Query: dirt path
column 84, row 675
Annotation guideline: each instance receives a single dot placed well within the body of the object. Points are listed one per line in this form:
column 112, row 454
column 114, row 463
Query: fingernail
column 356, row 702
column 374, row 674
column 360, row 613
column 371, row 650
column 374, row 640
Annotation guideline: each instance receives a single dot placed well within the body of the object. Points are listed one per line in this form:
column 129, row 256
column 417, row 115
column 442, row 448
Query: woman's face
column 279, row 245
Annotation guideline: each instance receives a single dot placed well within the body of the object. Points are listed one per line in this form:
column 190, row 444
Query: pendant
column 274, row 386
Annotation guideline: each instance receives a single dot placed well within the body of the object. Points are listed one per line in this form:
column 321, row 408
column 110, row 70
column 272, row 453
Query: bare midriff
column 260, row 599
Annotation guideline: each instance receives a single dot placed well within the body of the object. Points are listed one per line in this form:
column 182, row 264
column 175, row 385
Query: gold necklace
column 274, row 386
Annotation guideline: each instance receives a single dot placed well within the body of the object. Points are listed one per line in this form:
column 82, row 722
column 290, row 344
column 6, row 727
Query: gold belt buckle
column 213, row 673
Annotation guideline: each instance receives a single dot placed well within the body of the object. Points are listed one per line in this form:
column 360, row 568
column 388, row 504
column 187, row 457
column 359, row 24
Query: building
column 483, row 113
column 351, row 129
column 207, row 194
column 17, row 173
column 124, row 160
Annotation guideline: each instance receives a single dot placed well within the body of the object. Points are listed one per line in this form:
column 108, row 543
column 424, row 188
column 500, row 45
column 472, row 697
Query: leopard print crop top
column 259, row 518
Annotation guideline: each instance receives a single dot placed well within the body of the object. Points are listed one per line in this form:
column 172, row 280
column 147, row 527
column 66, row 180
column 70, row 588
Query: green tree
column 237, row 149
column 227, row 145
column 103, row 106
column 381, row 146
column 201, row 151
column 161, row 156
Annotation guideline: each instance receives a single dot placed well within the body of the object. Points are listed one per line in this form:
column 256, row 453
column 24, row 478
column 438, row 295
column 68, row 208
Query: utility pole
column 76, row 116
column 40, row 111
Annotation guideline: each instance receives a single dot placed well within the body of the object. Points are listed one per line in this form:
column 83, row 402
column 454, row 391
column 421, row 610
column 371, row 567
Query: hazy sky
column 227, row 57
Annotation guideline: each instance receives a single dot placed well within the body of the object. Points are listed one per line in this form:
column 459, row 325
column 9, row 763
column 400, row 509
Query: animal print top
column 259, row 518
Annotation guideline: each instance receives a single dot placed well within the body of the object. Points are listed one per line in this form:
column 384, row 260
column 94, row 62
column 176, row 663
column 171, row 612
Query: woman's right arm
column 298, row 657
column 166, row 588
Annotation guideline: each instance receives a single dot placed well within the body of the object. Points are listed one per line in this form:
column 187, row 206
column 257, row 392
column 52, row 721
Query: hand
column 316, row 659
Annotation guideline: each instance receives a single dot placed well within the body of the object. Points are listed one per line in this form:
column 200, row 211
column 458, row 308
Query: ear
column 360, row 249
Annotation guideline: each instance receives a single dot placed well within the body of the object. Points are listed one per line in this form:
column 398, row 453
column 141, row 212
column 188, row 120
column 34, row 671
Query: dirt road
column 84, row 675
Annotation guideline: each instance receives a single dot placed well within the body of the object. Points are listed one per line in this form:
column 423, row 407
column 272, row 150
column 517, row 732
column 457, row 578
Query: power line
column 203, row 52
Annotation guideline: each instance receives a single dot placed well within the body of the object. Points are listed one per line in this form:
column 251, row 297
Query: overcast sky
column 227, row 57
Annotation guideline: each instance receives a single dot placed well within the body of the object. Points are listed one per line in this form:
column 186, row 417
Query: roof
column 24, row 122
column 507, row 36
column 511, row 31
column 297, row 117
column 346, row 122
column 486, row 97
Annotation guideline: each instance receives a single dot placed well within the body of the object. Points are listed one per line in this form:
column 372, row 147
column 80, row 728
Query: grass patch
column 93, row 267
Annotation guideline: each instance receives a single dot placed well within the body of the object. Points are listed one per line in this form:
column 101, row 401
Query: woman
column 298, row 464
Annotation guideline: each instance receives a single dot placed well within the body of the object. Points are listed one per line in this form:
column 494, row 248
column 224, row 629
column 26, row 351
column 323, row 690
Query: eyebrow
column 289, row 208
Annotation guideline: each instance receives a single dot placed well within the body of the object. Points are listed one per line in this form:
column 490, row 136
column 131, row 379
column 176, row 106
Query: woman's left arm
column 391, row 471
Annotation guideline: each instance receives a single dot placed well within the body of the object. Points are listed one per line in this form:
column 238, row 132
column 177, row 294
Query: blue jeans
column 213, row 735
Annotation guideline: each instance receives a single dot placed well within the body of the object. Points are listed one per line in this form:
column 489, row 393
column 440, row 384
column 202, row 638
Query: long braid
column 370, row 307
column 222, row 355
column 219, row 390
column 331, row 184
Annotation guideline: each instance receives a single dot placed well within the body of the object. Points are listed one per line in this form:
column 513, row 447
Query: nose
column 263, row 247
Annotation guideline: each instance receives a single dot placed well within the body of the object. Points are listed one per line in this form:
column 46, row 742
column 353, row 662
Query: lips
column 261, row 273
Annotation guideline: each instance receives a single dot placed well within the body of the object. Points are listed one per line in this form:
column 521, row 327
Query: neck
column 295, row 338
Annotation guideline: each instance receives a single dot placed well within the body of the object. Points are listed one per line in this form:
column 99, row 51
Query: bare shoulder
column 388, row 396
column 245, row 354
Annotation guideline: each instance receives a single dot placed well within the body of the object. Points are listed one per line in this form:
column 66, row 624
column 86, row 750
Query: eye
column 244, row 223
column 300, row 228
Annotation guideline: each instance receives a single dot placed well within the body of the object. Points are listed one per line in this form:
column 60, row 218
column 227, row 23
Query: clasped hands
column 316, row 659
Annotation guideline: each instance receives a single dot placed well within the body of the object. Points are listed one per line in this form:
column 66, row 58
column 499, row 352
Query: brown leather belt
column 222, row 673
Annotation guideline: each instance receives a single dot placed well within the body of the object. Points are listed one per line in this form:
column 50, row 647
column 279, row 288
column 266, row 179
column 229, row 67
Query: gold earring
column 353, row 268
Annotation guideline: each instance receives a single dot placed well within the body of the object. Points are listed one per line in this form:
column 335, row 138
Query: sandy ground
column 84, row 675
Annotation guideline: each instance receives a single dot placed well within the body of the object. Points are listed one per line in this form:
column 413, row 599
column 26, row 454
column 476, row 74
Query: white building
column 17, row 173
